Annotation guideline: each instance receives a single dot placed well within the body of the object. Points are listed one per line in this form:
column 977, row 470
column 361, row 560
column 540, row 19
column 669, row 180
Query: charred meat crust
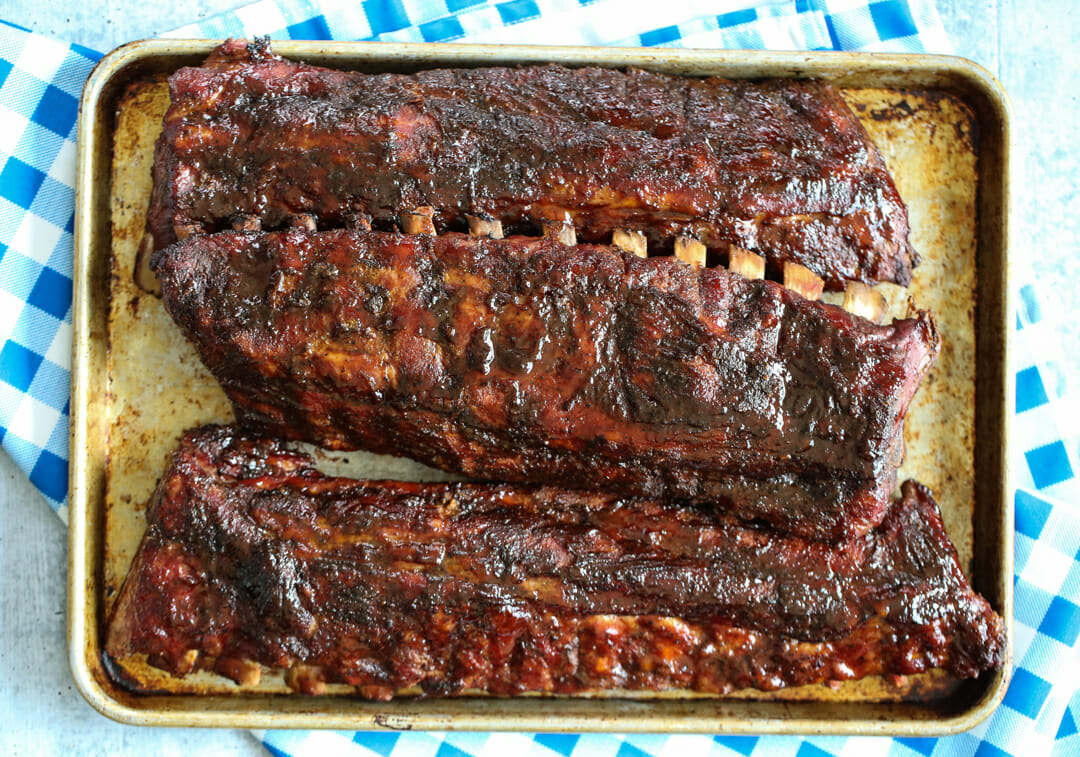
column 779, row 167
column 524, row 360
column 253, row 556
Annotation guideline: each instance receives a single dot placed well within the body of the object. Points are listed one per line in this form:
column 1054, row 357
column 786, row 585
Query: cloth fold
column 40, row 80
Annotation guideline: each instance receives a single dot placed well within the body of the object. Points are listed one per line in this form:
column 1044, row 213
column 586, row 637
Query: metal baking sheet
column 943, row 127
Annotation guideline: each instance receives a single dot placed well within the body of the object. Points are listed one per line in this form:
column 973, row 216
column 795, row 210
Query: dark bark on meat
column 525, row 360
column 779, row 167
column 252, row 555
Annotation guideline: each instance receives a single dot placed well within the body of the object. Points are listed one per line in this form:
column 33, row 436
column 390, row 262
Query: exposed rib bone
column 304, row 221
column 863, row 300
column 381, row 693
column 187, row 661
column 185, row 230
column 745, row 263
column 485, row 227
column 419, row 221
column 631, row 241
column 802, row 280
column 358, row 222
column 144, row 277
column 243, row 672
column 306, row 679
column 690, row 251
column 246, row 222
column 563, row 230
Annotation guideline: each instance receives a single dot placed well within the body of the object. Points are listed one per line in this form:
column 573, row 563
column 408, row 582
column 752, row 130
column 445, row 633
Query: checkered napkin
column 39, row 83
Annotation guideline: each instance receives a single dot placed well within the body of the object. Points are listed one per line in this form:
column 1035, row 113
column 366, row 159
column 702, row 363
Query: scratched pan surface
column 943, row 127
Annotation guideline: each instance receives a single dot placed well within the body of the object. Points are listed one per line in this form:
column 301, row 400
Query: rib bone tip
column 376, row 692
column 356, row 221
column 187, row 661
column 801, row 279
column 305, row 221
column 861, row 300
column 630, row 241
column 246, row 222
column 242, row 672
column 419, row 221
column 561, row 231
column 690, row 251
column 485, row 227
column 306, row 679
column 185, row 230
column 746, row 263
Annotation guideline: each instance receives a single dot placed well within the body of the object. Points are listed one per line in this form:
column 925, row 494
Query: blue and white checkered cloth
column 40, row 81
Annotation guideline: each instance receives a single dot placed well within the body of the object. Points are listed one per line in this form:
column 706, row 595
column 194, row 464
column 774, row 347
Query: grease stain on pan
column 917, row 103
column 156, row 385
column 928, row 142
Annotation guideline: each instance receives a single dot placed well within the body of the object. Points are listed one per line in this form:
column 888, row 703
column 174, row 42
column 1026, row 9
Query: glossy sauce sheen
column 251, row 554
column 525, row 360
column 780, row 167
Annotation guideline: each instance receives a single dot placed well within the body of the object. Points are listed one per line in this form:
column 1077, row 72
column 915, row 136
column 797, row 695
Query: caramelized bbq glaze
column 522, row 359
column 252, row 555
column 780, row 167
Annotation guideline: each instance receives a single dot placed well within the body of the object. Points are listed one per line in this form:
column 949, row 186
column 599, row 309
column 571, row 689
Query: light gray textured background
column 1030, row 45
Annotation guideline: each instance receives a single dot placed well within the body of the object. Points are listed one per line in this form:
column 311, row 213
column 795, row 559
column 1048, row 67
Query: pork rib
column 522, row 359
column 779, row 167
column 253, row 558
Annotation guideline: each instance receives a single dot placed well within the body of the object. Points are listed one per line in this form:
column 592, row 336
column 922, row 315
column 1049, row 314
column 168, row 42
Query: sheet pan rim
column 83, row 594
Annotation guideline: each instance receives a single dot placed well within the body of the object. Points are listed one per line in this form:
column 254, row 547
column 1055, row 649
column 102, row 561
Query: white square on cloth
column 12, row 126
column 34, row 421
column 36, row 238
column 262, row 16
column 63, row 166
column 1047, row 569
column 42, row 57
column 59, row 351
column 10, row 308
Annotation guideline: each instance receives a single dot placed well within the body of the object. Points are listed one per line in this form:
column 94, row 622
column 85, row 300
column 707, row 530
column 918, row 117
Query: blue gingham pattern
column 39, row 80
column 1067, row 738
column 1046, row 397
column 869, row 25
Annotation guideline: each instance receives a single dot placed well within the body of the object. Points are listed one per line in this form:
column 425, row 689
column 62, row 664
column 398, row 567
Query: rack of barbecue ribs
column 253, row 558
column 781, row 168
column 523, row 359
column 686, row 469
